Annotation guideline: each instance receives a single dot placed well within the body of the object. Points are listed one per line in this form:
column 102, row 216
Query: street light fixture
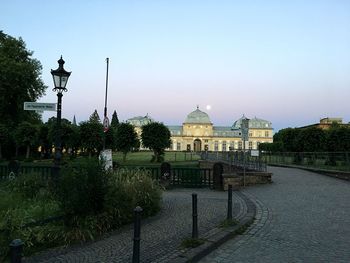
column 60, row 79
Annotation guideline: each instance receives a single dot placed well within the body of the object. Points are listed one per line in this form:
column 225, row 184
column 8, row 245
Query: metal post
column 16, row 248
column 194, row 216
column 243, row 163
column 58, row 152
column 137, row 234
column 105, row 108
column 229, row 203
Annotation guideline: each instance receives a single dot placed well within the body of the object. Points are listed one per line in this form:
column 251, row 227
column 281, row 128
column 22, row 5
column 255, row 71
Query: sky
column 283, row 61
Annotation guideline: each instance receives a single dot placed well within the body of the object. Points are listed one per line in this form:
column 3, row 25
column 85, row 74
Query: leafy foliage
column 26, row 135
column 125, row 138
column 156, row 136
column 94, row 117
column 20, row 80
column 115, row 120
column 91, row 135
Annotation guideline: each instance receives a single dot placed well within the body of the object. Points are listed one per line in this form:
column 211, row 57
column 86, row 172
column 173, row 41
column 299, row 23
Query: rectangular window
column 250, row 134
column 224, row 146
column 250, row 145
column 205, row 140
column 216, row 146
column 232, row 146
column 240, row 145
column 266, row 133
column 188, row 147
column 178, row 146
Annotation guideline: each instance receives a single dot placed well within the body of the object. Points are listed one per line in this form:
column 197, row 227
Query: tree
column 125, row 139
column 338, row 139
column 4, row 137
column 94, row 117
column 311, row 140
column 20, row 81
column 115, row 120
column 156, row 137
column 91, row 135
column 26, row 135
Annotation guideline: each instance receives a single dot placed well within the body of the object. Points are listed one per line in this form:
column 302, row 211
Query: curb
column 218, row 236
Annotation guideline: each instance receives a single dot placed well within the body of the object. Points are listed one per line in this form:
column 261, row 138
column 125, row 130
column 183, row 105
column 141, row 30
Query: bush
column 130, row 188
column 29, row 185
column 82, row 189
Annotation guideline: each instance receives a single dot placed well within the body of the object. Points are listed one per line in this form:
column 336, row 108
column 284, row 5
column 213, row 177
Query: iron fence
column 321, row 160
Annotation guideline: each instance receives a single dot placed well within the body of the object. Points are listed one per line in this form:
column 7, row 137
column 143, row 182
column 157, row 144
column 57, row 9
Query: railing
column 180, row 176
column 320, row 160
column 5, row 171
column 238, row 159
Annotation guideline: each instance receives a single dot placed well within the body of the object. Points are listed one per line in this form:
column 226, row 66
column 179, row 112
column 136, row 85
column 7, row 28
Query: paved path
column 160, row 236
column 301, row 217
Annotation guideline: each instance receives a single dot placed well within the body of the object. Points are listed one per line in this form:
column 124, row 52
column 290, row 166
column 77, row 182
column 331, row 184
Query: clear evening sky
column 284, row 61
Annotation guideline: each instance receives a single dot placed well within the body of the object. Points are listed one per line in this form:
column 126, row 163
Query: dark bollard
column 229, row 203
column 194, row 216
column 137, row 234
column 16, row 248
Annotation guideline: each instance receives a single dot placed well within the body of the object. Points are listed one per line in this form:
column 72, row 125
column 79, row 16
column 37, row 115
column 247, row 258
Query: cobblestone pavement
column 301, row 217
column 160, row 236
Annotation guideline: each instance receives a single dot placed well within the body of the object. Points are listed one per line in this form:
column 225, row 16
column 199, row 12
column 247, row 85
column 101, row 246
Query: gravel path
column 160, row 236
column 301, row 217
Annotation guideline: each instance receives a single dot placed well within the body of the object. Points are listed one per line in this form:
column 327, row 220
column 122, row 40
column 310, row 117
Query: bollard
column 16, row 248
column 194, row 216
column 137, row 234
column 229, row 203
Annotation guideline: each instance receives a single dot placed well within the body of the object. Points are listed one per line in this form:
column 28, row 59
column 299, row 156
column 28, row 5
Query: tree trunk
column 16, row 153
column 28, row 151
column 0, row 152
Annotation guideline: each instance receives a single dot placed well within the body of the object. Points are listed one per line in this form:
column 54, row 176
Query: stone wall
column 236, row 179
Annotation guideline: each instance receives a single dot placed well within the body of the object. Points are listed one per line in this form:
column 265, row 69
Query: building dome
column 198, row 116
column 253, row 123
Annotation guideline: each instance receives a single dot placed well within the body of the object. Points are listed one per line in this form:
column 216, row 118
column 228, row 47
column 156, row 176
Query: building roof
column 225, row 131
column 253, row 123
column 198, row 116
column 140, row 120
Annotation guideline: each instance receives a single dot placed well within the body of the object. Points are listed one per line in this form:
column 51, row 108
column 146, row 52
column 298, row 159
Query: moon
column 208, row 107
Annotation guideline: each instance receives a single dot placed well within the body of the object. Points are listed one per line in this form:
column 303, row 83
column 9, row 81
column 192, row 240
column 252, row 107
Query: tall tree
column 126, row 138
column 26, row 135
column 4, row 137
column 91, row 135
column 94, row 117
column 115, row 120
column 156, row 137
column 20, row 80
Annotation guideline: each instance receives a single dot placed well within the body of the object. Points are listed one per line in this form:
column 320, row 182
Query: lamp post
column 60, row 79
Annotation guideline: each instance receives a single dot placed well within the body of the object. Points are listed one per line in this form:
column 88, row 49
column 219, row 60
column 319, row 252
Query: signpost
column 37, row 106
column 245, row 137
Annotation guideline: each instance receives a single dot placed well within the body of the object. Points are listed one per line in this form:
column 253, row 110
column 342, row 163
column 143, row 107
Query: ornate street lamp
column 60, row 79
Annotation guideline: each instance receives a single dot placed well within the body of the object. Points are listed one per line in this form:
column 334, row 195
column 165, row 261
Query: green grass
column 227, row 223
column 177, row 159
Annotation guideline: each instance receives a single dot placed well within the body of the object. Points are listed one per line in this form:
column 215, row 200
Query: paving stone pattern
column 160, row 236
column 301, row 217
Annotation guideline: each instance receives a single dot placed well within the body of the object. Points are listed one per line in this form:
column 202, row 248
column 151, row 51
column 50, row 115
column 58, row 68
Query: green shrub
column 82, row 189
column 29, row 185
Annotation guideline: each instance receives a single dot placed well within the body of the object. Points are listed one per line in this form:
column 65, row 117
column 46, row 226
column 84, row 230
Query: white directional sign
column 37, row 106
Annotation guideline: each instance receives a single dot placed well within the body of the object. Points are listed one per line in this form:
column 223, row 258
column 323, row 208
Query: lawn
column 178, row 159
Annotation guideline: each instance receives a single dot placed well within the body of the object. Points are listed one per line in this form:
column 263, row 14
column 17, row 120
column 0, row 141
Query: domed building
column 197, row 133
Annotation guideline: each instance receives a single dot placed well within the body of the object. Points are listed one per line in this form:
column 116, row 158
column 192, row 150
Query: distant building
column 326, row 123
column 197, row 133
